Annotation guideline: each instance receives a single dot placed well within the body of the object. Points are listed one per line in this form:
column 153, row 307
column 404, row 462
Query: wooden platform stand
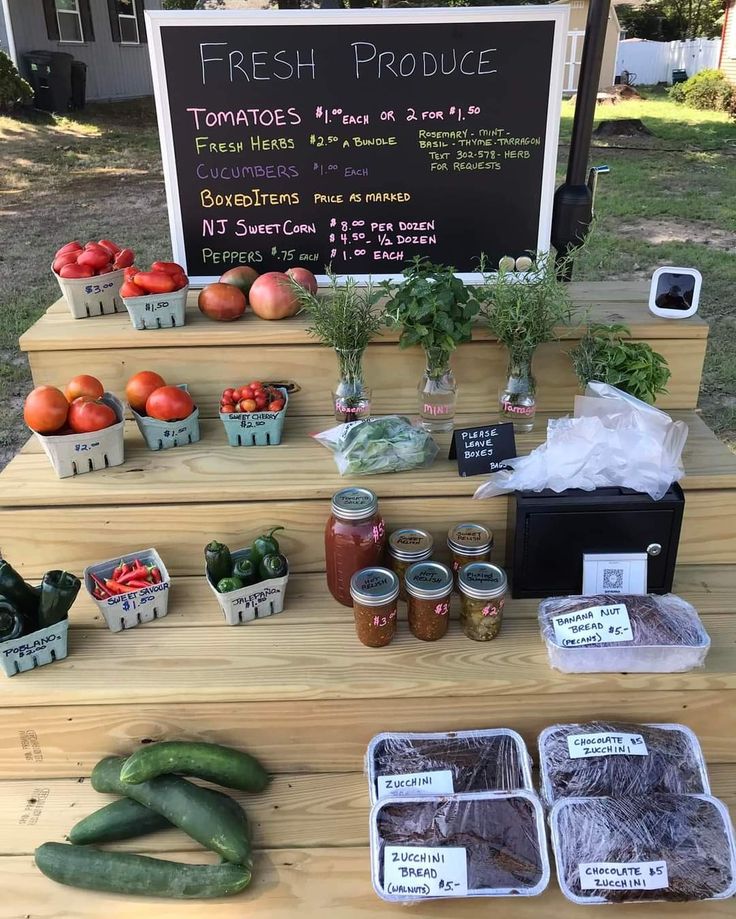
column 297, row 689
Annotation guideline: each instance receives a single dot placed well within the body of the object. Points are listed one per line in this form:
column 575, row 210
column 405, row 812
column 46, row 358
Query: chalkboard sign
column 358, row 139
column 482, row 448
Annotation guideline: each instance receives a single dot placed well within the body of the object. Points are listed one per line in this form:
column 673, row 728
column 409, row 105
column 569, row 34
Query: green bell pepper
column 273, row 566
column 218, row 561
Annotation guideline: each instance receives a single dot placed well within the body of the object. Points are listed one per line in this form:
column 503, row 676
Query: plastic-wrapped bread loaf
column 659, row 847
column 640, row 633
column 600, row 758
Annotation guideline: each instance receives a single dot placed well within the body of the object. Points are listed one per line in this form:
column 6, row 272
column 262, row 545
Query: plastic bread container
column 445, row 763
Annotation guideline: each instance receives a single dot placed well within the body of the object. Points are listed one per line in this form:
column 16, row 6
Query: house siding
column 114, row 71
column 728, row 45
column 578, row 21
column 4, row 45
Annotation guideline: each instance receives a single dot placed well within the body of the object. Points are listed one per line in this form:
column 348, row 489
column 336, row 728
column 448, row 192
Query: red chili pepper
column 116, row 573
column 114, row 587
column 133, row 575
column 101, row 587
column 155, row 574
column 137, row 585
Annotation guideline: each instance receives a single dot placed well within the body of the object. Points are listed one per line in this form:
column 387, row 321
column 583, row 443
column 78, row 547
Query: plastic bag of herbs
column 377, row 445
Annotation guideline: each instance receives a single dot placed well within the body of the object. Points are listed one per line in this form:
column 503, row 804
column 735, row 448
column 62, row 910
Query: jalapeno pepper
column 59, row 590
column 226, row 585
column 273, row 566
column 218, row 560
column 245, row 570
column 266, row 544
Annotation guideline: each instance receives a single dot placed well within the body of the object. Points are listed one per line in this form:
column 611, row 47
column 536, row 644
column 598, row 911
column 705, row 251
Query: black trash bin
column 79, row 84
column 679, row 76
column 50, row 76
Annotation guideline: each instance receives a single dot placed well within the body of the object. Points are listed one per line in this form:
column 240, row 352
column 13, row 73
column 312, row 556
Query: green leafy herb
column 604, row 354
column 378, row 445
column 434, row 309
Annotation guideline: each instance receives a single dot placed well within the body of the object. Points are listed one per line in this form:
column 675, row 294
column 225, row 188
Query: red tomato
column 129, row 289
column 124, row 259
column 272, row 296
column 155, row 282
column 139, row 388
column 304, row 278
column 276, row 406
column 94, row 259
column 169, row 403
column 45, row 409
column 84, row 385
column 76, row 271
column 111, row 247
column 95, row 247
column 69, row 247
column 130, row 272
column 168, row 267
column 248, row 405
column 228, row 407
column 221, row 302
column 66, row 258
column 86, row 415
column 181, row 280
column 228, row 395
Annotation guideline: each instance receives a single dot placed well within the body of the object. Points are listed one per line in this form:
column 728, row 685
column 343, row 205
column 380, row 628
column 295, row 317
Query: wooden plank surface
column 619, row 301
column 34, row 539
column 299, row 811
column 310, row 883
column 327, row 662
column 710, row 589
column 64, row 740
column 480, row 368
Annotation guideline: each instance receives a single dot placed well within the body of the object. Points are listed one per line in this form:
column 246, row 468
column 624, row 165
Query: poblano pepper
column 218, row 561
column 59, row 590
column 23, row 597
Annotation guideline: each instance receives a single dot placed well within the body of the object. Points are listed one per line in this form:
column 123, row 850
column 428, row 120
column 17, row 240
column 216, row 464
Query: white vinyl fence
column 653, row 61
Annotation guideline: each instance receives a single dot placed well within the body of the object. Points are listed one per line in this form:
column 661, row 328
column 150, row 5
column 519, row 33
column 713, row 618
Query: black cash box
column 549, row 532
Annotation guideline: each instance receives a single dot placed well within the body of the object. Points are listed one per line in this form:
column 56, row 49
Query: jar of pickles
column 405, row 547
column 469, row 542
column 374, row 592
column 428, row 588
column 355, row 538
column 482, row 589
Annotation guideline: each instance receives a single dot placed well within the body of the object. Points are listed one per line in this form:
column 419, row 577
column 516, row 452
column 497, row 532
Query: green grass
column 670, row 199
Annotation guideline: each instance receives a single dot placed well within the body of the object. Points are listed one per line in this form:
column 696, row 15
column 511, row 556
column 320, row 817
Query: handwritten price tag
column 424, row 871
column 623, row 875
column 593, row 626
column 584, row 745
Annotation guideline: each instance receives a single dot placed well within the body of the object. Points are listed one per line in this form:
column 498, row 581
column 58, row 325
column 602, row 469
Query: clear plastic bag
column 598, row 759
column 377, row 445
column 658, row 847
column 495, row 759
column 614, row 440
column 653, row 634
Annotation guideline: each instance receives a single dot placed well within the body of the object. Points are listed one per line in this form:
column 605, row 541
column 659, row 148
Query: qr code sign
column 613, row 578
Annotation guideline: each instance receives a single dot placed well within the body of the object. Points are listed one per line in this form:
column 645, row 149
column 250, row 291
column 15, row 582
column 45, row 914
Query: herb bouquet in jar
column 434, row 309
column 345, row 318
column 523, row 310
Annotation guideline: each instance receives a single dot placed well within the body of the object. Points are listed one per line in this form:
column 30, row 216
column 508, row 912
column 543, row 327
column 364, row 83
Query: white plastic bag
column 614, row 440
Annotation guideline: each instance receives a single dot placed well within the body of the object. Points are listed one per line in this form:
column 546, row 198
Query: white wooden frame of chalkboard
column 159, row 19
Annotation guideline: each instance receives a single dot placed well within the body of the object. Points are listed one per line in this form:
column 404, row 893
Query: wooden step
column 210, row 356
column 311, row 883
column 182, row 498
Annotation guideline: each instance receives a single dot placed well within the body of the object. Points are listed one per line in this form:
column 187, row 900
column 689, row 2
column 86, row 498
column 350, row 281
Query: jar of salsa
column 428, row 586
column 469, row 542
column 355, row 538
column 375, row 592
column 405, row 547
column 483, row 594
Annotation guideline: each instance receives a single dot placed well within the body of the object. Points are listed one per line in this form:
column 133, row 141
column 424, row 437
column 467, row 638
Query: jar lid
column 374, row 586
column 428, row 580
column 410, row 545
column 354, row 503
column 469, row 538
column 482, row 581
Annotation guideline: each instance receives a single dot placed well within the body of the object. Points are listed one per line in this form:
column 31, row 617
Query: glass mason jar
column 469, row 542
column 428, row 586
column 405, row 547
column 519, row 397
column 483, row 595
column 437, row 393
column 351, row 398
column 375, row 592
column 355, row 538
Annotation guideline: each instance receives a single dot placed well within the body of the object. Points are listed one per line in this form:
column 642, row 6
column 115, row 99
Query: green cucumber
column 205, row 815
column 120, row 872
column 123, row 819
column 208, row 761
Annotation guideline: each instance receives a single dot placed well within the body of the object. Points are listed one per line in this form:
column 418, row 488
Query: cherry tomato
column 276, row 406
column 76, row 271
column 155, row 282
column 124, row 259
column 129, row 289
column 69, row 247
column 261, row 402
column 168, row 267
column 246, row 392
column 247, row 405
column 66, row 258
column 94, row 259
column 256, row 384
column 228, row 407
column 228, row 395
column 111, row 247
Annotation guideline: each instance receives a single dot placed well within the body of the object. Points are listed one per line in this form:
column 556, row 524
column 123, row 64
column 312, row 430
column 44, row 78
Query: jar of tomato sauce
column 355, row 538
